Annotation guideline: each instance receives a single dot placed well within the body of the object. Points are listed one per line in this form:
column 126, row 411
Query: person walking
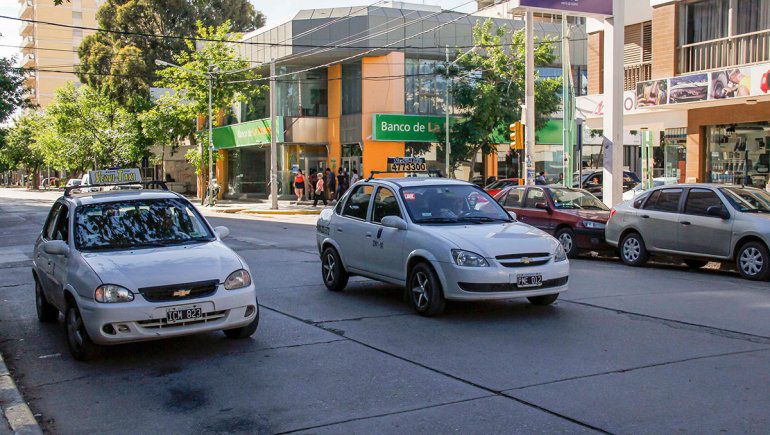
column 330, row 184
column 342, row 182
column 299, row 185
column 354, row 177
column 319, row 191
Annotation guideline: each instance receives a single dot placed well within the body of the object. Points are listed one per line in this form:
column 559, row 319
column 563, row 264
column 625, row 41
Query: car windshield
column 748, row 200
column 138, row 224
column 575, row 199
column 452, row 204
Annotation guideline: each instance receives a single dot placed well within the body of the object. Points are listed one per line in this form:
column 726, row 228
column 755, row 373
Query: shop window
column 738, row 154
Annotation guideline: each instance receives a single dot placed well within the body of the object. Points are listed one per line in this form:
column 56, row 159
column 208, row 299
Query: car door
column 385, row 246
column 659, row 219
column 700, row 233
column 350, row 229
column 513, row 200
column 60, row 262
column 532, row 215
column 43, row 260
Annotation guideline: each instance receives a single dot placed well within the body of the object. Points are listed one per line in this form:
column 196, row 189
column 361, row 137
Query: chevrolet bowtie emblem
column 526, row 260
column 180, row 293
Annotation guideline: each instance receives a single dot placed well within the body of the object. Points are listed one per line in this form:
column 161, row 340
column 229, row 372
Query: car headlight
column 594, row 225
column 560, row 254
column 468, row 259
column 238, row 279
column 110, row 294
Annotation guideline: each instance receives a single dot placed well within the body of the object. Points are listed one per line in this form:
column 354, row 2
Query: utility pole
column 447, row 146
column 529, row 101
column 566, row 96
column 614, row 31
column 273, row 144
column 210, row 188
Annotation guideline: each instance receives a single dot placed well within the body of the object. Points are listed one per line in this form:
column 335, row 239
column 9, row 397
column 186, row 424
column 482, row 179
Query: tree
column 13, row 92
column 20, row 149
column 490, row 90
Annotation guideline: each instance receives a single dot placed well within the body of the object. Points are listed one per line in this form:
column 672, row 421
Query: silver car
column 697, row 222
column 441, row 239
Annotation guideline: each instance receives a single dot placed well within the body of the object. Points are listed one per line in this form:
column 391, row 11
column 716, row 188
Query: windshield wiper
column 436, row 220
column 480, row 219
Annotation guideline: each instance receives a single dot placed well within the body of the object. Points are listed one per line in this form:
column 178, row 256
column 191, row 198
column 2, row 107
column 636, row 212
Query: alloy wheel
column 751, row 261
column 75, row 329
column 328, row 266
column 631, row 249
column 420, row 289
column 566, row 241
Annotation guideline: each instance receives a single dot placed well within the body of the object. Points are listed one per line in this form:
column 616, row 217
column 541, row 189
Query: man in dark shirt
column 330, row 184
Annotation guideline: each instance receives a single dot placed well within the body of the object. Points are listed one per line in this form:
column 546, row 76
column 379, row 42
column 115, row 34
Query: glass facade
column 302, row 94
column 247, row 173
column 738, row 154
column 351, row 88
column 425, row 90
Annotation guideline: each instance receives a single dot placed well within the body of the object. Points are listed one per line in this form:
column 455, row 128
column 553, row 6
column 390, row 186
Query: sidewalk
column 17, row 418
column 264, row 207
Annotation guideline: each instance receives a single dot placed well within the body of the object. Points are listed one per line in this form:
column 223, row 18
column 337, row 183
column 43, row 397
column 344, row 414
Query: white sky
column 277, row 12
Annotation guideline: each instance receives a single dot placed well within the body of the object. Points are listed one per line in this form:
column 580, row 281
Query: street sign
column 587, row 7
column 407, row 128
column 115, row 176
column 407, row 164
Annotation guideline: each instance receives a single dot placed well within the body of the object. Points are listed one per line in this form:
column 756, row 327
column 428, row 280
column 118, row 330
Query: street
column 658, row 349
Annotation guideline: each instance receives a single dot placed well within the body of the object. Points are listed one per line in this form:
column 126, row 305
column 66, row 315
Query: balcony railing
column 725, row 52
column 635, row 73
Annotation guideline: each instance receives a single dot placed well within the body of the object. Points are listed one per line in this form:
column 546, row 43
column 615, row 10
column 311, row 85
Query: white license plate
column 183, row 314
column 527, row 280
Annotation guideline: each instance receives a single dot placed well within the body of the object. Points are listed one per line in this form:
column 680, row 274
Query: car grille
column 163, row 323
column 524, row 260
column 179, row 292
column 499, row 288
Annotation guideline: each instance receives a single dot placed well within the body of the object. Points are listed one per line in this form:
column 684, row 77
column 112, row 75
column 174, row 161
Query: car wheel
column 695, row 264
column 753, row 261
column 567, row 238
column 543, row 300
column 244, row 331
column 46, row 312
column 78, row 340
column 633, row 252
column 425, row 291
column 334, row 274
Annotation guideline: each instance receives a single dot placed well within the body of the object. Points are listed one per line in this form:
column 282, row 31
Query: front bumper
column 484, row 279
column 141, row 320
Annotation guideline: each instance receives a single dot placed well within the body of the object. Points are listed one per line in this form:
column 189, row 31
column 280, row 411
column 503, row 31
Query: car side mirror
column 393, row 222
column 56, row 247
column 717, row 211
column 513, row 215
column 222, row 232
column 543, row 206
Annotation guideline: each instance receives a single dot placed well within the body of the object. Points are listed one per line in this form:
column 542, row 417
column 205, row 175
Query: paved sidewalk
column 263, row 207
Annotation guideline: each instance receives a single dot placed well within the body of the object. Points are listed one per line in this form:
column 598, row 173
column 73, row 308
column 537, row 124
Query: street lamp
column 447, row 145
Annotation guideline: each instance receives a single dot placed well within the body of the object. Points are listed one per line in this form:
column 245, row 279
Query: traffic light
column 517, row 136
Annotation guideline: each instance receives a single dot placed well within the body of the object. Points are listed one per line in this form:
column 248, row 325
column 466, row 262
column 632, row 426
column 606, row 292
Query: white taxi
column 440, row 239
column 133, row 265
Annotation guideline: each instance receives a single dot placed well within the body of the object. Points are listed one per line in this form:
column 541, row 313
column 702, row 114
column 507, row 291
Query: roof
column 87, row 198
column 421, row 181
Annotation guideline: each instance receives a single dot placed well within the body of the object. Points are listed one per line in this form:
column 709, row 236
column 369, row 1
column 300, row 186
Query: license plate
column 529, row 280
column 183, row 314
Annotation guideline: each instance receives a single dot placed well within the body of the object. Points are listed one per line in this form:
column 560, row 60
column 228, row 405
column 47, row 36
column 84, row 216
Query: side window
column 51, row 221
column 666, row 200
column 640, row 200
column 358, row 203
column 385, row 204
column 595, row 179
column 533, row 197
column 62, row 225
column 514, row 198
column 699, row 200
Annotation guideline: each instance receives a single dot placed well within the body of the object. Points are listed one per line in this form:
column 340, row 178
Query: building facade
column 51, row 52
column 365, row 103
column 696, row 79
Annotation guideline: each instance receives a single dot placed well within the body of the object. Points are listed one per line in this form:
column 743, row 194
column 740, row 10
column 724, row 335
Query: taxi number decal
column 408, row 167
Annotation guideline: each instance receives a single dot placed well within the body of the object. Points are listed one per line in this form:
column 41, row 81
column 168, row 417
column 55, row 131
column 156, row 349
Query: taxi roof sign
column 115, row 176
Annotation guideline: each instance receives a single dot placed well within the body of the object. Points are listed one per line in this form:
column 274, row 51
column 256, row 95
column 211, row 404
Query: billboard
column 407, row 128
column 592, row 7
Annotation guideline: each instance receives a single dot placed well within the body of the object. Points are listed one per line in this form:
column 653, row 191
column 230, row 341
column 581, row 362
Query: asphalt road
column 652, row 350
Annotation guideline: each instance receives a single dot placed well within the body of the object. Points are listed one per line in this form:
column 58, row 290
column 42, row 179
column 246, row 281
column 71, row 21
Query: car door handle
column 686, row 223
column 645, row 216
column 339, row 230
column 369, row 235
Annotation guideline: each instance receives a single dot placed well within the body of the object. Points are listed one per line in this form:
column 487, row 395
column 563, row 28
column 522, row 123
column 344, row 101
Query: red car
column 496, row 187
column 574, row 216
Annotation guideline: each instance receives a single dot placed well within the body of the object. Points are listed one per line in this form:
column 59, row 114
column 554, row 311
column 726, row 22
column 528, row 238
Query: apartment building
column 50, row 52
column 697, row 78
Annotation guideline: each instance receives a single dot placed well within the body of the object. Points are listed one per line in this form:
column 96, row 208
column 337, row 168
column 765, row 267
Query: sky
column 277, row 12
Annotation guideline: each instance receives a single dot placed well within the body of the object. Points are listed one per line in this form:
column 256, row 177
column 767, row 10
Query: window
column 666, row 200
column 534, row 196
column 302, row 94
column 51, row 221
column 425, row 90
column 699, row 201
column 514, row 198
column 752, row 16
column 640, row 200
column 358, row 204
column 351, row 88
column 705, row 20
column 62, row 230
column 385, row 204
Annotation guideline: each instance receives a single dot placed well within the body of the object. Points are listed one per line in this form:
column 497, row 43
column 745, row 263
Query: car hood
column 150, row 267
column 492, row 240
column 591, row 215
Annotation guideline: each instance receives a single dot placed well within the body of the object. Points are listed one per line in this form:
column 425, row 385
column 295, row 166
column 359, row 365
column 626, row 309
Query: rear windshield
column 138, row 224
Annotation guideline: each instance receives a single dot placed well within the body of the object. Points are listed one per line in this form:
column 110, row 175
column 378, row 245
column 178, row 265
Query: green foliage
column 13, row 92
column 20, row 149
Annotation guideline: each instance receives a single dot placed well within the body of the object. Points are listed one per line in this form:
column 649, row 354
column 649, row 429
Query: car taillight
column 612, row 213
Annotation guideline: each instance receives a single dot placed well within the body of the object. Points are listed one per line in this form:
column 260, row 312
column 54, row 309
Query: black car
column 593, row 180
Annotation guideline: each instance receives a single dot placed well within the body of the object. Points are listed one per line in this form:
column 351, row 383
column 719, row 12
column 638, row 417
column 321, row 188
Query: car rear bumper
column 141, row 320
column 591, row 239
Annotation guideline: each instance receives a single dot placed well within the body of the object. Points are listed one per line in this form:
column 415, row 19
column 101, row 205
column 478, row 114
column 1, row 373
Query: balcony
column 635, row 73
column 27, row 10
column 27, row 42
column 28, row 61
column 725, row 52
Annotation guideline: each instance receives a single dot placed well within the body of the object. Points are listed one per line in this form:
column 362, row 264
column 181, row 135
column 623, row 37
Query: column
column 614, row 29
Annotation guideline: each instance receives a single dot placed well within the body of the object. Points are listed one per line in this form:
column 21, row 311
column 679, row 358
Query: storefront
column 738, row 153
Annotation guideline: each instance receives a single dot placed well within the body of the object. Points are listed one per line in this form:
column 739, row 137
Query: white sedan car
column 440, row 239
column 133, row 265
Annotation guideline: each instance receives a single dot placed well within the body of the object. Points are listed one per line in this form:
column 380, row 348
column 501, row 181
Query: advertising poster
column 730, row 83
column 652, row 93
column 760, row 80
column 687, row 89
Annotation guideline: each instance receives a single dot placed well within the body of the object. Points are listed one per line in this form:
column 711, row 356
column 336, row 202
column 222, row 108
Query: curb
column 15, row 409
column 227, row 210
column 282, row 212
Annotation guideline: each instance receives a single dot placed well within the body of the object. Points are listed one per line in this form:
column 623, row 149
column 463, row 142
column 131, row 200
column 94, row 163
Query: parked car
column 73, row 182
column 438, row 239
column 49, row 182
column 496, row 187
column 656, row 182
column 593, row 181
column 698, row 223
column 575, row 217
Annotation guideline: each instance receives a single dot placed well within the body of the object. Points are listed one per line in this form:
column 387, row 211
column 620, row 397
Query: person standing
column 299, row 185
column 342, row 182
column 319, row 191
column 354, row 177
column 540, row 180
column 330, row 183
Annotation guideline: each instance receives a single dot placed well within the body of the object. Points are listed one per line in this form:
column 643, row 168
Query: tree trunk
column 34, row 179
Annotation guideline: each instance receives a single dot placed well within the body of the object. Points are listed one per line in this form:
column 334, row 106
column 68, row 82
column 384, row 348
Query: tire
column 244, row 331
column 79, row 342
column 332, row 271
column 425, row 291
column 633, row 251
column 46, row 313
column 695, row 264
column 543, row 300
column 567, row 239
column 753, row 261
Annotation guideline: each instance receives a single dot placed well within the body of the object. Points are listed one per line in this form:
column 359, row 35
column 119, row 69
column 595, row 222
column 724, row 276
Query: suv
column 697, row 222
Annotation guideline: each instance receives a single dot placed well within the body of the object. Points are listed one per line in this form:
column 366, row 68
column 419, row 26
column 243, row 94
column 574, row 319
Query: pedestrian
column 540, row 180
column 342, row 182
column 354, row 177
column 319, row 192
column 330, row 184
column 299, row 185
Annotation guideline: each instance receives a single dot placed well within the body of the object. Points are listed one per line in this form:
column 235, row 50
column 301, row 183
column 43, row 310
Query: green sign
column 407, row 128
column 246, row 134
